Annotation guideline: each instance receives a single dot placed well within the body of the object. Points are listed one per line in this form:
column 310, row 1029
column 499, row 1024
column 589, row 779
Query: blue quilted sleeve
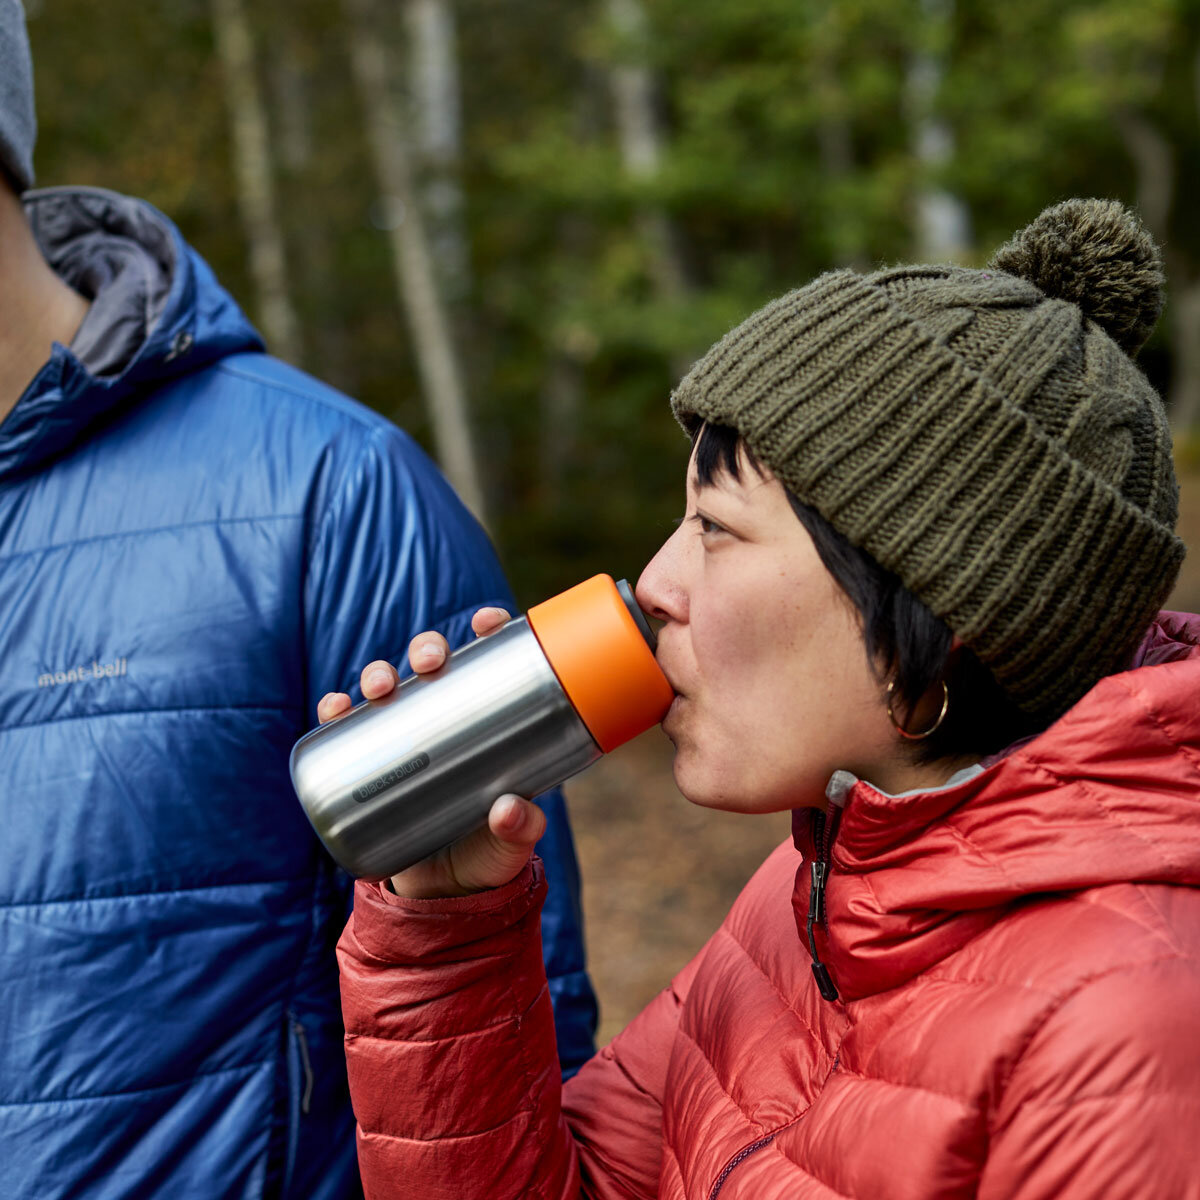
column 393, row 552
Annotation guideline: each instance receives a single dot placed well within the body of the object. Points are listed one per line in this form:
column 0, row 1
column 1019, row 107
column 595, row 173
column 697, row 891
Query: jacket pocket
column 300, row 1086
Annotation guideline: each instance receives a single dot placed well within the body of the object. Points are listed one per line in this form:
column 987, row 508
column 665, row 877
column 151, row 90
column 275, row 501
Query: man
column 180, row 514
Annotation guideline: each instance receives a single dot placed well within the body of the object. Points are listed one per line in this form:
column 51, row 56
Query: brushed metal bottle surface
column 394, row 780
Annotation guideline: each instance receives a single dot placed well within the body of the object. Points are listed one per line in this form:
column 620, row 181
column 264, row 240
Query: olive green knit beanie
column 983, row 434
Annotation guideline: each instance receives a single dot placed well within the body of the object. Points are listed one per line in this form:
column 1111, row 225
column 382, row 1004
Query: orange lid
column 602, row 660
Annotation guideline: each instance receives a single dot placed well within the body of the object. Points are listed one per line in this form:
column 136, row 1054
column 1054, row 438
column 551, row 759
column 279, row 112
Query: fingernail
column 379, row 678
column 515, row 816
column 429, row 653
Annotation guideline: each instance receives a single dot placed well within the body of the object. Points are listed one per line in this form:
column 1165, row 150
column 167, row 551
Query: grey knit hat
column 983, row 434
column 18, row 123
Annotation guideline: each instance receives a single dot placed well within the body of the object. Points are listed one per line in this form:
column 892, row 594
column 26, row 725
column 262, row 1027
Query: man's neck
column 37, row 308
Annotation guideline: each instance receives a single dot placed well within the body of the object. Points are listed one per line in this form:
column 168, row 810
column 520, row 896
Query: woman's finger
column 497, row 853
column 486, row 858
column 377, row 679
column 331, row 705
column 488, row 620
column 427, row 652
column 516, row 822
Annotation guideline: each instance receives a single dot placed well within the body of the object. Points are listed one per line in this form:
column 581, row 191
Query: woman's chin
column 692, row 782
column 702, row 789
column 706, row 788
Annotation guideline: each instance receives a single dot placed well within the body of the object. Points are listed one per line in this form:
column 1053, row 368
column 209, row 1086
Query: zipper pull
column 825, row 826
column 816, row 900
column 816, row 913
column 305, row 1063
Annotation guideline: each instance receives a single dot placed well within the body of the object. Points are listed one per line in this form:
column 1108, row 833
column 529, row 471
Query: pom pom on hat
column 1097, row 255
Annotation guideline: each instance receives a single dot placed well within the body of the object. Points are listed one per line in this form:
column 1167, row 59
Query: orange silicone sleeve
column 602, row 661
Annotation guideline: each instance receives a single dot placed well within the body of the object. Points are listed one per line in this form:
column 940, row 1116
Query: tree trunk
column 1154, row 164
column 436, row 112
column 1184, row 406
column 561, row 408
column 1184, row 291
column 412, row 260
column 437, row 122
column 639, row 136
column 252, row 170
column 568, row 348
column 943, row 224
column 835, row 144
column 327, row 351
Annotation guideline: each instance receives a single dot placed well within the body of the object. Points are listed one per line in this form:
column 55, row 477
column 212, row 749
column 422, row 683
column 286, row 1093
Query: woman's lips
column 675, row 703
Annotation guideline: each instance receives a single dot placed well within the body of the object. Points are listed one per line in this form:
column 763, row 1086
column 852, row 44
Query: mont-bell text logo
column 83, row 672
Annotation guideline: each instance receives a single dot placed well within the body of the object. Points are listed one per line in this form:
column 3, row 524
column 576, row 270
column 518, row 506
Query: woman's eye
column 708, row 526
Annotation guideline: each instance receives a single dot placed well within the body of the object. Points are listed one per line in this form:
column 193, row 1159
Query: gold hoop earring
column 918, row 737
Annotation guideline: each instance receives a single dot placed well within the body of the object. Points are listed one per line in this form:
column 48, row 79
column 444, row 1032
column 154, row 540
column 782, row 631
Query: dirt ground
column 659, row 874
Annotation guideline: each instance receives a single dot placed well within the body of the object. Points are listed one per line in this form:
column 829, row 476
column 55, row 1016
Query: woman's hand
column 493, row 854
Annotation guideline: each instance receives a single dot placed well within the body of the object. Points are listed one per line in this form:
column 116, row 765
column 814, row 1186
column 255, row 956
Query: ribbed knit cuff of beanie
column 983, row 434
column 18, row 123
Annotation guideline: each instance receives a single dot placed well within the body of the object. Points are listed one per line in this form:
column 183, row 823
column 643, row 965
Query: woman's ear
column 956, row 643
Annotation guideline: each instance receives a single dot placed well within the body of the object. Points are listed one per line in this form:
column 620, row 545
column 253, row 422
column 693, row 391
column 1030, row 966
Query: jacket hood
column 156, row 312
column 1109, row 794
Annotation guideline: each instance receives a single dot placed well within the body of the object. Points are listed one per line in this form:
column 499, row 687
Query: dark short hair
column 905, row 643
column 8, row 180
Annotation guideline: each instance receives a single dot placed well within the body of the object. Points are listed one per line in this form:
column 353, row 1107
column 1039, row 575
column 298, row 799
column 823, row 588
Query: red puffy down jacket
column 1017, row 958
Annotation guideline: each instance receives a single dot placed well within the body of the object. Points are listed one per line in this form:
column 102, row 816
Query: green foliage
column 787, row 135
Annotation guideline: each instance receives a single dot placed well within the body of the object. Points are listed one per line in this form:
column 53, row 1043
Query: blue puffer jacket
column 196, row 542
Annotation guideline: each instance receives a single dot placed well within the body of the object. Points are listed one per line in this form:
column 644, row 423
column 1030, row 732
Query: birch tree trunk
column 564, row 383
column 437, row 122
column 412, row 260
column 1183, row 289
column 835, row 137
column 312, row 254
column 561, row 405
column 252, row 171
column 1154, row 166
column 1184, row 400
column 1153, row 160
column 639, row 135
column 943, row 224
column 835, row 151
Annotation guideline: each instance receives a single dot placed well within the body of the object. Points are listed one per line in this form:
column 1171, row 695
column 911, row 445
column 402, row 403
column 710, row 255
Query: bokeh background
column 511, row 224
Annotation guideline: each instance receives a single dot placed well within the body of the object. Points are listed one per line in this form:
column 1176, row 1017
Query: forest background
column 510, row 225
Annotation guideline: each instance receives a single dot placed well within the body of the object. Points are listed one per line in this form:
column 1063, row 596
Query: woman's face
column 775, row 691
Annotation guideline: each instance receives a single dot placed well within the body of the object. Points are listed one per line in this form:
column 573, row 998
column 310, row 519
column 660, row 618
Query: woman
column 930, row 520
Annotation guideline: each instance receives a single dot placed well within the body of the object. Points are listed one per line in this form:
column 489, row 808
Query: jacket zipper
column 746, row 1151
column 742, row 1154
column 306, row 1063
column 825, row 826
column 299, row 1064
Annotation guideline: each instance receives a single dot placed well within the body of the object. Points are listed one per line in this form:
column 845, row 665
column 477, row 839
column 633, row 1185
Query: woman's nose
column 658, row 590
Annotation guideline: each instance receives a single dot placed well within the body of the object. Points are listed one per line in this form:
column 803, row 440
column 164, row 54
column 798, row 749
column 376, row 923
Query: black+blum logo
column 395, row 775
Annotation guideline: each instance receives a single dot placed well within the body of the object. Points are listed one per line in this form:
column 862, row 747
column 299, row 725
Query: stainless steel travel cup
column 394, row 780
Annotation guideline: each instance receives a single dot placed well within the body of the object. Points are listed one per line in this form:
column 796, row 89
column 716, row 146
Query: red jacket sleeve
column 450, row 1046
column 452, row 1063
